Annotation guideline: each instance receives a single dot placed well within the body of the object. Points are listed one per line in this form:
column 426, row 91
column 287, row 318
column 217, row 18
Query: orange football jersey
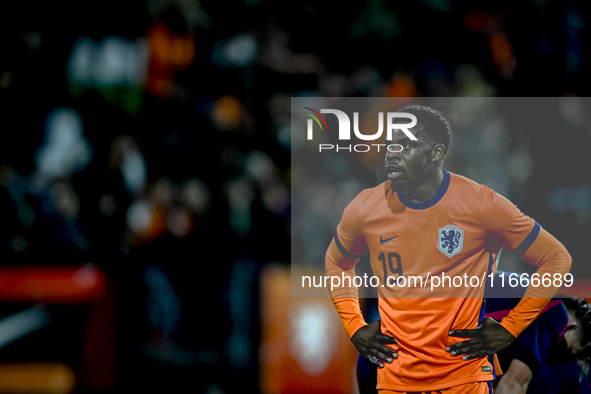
column 416, row 243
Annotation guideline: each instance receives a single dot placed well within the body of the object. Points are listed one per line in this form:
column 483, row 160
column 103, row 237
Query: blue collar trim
column 432, row 201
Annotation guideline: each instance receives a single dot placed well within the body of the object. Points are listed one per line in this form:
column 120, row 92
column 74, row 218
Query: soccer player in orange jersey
column 425, row 223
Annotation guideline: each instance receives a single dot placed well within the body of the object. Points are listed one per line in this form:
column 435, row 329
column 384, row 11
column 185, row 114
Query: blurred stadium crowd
column 152, row 138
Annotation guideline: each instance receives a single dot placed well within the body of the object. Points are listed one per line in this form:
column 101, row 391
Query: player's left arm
column 525, row 238
column 553, row 261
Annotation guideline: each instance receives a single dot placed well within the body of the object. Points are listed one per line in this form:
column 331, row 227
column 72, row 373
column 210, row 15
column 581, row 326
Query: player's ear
column 437, row 152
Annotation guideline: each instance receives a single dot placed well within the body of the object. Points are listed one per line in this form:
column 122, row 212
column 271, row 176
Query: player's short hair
column 431, row 123
column 582, row 311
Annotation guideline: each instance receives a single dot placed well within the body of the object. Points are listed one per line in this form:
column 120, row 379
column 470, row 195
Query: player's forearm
column 511, row 387
column 516, row 379
column 552, row 258
column 342, row 268
column 344, row 298
column 350, row 313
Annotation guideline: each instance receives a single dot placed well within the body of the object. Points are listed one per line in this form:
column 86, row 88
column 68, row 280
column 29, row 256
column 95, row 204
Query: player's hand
column 370, row 341
column 486, row 339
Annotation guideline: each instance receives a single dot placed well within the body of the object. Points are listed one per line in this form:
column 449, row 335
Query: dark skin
column 370, row 341
column 417, row 171
column 419, row 164
column 486, row 339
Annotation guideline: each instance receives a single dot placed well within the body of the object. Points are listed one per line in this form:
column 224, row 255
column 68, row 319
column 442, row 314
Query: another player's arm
column 538, row 248
column 516, row 379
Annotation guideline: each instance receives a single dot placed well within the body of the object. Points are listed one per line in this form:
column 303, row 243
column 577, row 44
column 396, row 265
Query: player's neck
column 428, row 188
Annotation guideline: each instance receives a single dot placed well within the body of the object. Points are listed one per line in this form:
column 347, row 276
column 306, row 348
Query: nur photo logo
column 344, row 129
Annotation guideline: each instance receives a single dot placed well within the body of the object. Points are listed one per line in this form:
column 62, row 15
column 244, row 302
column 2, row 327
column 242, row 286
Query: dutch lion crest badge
column 451, row 240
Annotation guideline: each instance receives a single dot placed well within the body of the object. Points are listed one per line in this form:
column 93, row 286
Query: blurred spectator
column 172, row 48
column 65, row 149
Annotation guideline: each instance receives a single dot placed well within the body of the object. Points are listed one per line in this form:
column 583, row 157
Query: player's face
column 407, row 169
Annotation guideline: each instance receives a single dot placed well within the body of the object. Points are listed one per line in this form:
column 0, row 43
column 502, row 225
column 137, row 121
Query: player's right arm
column 342, row 255
column 345, row 298
column 368, row 339
column 516, row 379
